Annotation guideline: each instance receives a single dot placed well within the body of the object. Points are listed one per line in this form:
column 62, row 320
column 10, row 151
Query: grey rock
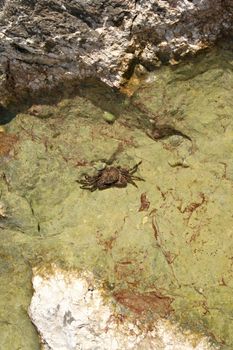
column 46, row 44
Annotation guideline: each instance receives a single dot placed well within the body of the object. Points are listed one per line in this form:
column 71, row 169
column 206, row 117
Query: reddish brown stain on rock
column 7, row 142
column 145, row 203
column 143, row 303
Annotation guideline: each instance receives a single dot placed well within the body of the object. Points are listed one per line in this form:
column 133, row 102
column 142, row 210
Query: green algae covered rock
column 178, row 245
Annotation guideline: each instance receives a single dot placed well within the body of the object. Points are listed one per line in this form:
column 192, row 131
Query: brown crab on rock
column 110, row 177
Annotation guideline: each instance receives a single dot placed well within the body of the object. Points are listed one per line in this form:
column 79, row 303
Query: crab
column 111, row 177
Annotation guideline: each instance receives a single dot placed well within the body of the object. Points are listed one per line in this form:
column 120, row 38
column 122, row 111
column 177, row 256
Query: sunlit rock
column 48, row 44
column 70, row 312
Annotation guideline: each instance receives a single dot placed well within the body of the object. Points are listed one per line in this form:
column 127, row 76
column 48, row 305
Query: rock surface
column 70, row 313
column 45, row 44
column 170, row 236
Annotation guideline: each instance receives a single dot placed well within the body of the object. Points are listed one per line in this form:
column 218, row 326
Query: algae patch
column 177, row 246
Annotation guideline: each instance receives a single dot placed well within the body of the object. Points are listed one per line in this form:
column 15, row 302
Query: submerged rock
column 178, row 246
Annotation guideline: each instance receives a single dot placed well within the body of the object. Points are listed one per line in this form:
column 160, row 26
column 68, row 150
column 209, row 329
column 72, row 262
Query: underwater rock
column 70, row 313
column 47, row 45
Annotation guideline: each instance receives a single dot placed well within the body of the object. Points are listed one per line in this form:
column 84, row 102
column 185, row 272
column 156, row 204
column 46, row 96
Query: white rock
column 70, row 313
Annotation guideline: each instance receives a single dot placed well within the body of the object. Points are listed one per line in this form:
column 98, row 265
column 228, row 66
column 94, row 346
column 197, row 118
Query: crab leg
column 130, row 181
column 135, row 168
column 137, row 178
column 88, row 187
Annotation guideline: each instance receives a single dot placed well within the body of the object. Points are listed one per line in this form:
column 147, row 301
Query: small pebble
column 100, row 166
column 109, row 117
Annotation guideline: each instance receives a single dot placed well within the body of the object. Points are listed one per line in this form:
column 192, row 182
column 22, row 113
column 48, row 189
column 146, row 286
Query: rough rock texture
column 47, row 43
column 179, row 247
column 70, row 314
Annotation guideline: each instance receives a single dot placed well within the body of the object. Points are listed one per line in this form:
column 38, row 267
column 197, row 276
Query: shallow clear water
column 180, row 246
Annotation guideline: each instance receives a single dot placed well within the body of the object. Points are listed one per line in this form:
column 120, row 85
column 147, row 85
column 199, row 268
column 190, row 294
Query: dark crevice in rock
column 6, row 115
column 81, row 14
column 127, row 75
column 159, row 9
column 20, row 48
column 2, row 3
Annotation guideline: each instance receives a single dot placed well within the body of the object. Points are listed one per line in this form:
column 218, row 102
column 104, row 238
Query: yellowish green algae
column 180, row 246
